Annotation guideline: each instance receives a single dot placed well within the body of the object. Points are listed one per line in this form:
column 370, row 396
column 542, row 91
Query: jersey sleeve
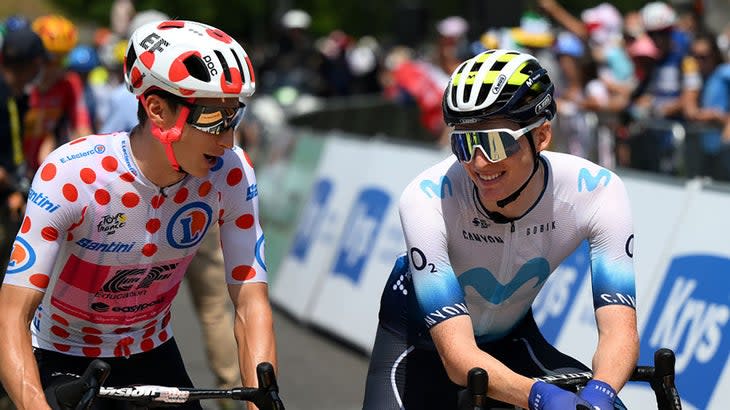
column 242, row 238
column 611, row 241
column 52, row 209
column 437, row 289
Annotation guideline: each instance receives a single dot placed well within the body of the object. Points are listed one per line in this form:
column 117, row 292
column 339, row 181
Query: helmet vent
column 196, row 68
column 129, row 60
column 240, row 66
column 224, row 64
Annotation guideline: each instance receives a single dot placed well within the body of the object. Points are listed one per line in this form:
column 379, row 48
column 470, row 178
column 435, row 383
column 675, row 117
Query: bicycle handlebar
column 79, row 394
column 660, row 377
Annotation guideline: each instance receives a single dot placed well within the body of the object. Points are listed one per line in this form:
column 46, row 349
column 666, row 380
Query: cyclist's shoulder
column 572, row 169
column 88, row 151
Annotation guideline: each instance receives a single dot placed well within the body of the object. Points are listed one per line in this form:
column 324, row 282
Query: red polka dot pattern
column 78, row 140
column 102, row 196
column 185, row 91
column 127, row 177
column 166, row 319
column 59, row 319
column 69, row 237
column 245, row 221
column 149, row 332
column 88, row 175
column 136, row 78
column 70, row 192
column 163, row 336
column 204, row 188
column 121, row 330
column 157, row 201
column 178, row 70
column 61, row 347
column 248, row 159
column 109, row 163
column 130, row 199
column 60, row 332
column 149, row 249
column 39, row 280
column 26, row 225
column 147, row 345
column 48, row 172
column 234, row 176
column 243, row 272
column 91, row 330
column 181, row 196
column 91, row 351
column 49, row 233
column 92, row 340
column 147, row 58
column 219, row 35
column 153, row 225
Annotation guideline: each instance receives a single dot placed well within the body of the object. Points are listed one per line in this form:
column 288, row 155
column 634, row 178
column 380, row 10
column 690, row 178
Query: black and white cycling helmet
column 499, row 83
column 188, row 59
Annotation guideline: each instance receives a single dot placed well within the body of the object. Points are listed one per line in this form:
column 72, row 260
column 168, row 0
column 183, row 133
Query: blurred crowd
column 647, row 88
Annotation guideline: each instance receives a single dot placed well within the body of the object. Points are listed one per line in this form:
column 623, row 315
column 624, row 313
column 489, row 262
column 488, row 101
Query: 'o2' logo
column 189, row 225
column 22, row 257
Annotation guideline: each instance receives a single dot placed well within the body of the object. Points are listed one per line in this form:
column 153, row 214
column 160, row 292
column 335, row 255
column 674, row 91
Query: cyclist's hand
column 545, row 396
column 599, row 394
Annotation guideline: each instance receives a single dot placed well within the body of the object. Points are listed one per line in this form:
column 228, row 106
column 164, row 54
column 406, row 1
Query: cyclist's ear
column 543, row 136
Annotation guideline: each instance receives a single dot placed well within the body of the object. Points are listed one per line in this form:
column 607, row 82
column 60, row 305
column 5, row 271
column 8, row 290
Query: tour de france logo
column 189, row 224
column 22, row 257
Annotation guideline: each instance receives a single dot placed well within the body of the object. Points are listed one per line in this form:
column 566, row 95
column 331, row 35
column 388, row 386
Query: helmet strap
column 536, row 164
column 167, row 137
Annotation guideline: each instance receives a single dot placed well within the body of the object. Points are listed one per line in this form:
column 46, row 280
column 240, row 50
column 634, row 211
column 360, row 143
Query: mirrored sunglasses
column 214, row 120
column 496, row 144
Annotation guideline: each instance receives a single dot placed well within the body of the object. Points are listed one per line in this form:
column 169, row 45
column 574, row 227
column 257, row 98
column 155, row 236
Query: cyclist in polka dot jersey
column 113, row 221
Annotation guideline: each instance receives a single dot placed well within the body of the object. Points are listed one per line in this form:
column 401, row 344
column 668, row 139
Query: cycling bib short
column 109, row 248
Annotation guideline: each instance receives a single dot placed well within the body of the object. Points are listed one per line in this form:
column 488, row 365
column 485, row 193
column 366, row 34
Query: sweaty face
column 197, row 151
column 497, row 180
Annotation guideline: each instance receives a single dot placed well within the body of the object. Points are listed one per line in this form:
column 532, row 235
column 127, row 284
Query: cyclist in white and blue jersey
column 477, row 255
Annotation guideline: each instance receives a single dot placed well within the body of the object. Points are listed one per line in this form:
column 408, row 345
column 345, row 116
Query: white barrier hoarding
column 348, row 302
column 319, row 225
column 692, row 308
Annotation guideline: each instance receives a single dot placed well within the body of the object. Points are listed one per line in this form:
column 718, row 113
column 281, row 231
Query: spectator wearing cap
column 21, row 58
column 658, row 97
column 452, row 45
column 706, row 102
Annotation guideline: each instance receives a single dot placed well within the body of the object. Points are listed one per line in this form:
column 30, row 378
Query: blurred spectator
column 57, row 112
column 82, row 60
column 706, row 102
column 364, row 62
column 293, row 65
column 335, row 68
column 407, row 80
column 452, row 46
column 658, row 97
column 571, row 124
column 117, row 106
column 121, row 13
column 21, row 59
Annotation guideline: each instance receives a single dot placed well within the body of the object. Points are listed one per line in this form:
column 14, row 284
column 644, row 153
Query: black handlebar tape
column 71, row 393
column 477, row 380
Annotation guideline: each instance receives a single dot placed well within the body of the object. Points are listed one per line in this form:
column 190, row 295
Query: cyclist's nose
column 479, row 159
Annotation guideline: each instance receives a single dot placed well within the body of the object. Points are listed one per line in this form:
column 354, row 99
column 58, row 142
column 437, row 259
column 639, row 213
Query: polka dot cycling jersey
column 109, row 248
column 462, row 259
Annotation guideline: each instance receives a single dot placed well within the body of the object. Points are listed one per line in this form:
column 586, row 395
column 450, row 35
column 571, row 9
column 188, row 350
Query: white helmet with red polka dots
column 188, row 59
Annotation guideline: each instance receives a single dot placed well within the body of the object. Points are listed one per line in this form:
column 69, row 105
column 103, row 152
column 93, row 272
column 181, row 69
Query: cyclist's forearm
column 254, row 332
column 616, row 358
column 18, row 369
